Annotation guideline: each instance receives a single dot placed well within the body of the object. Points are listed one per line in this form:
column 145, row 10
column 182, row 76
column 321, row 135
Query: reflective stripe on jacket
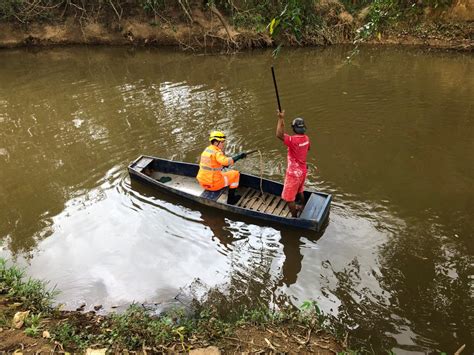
column 210, row 166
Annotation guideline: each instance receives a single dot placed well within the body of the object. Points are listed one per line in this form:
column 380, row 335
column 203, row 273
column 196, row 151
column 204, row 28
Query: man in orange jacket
column 213, row 160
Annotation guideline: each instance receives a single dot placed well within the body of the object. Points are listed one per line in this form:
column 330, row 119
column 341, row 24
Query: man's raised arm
column 280, row 130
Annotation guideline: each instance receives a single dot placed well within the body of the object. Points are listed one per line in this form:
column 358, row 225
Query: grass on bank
column 138, row 329
column 34, row 294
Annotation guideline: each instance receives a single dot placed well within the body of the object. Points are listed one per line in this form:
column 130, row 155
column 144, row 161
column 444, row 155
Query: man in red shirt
column 298, row 146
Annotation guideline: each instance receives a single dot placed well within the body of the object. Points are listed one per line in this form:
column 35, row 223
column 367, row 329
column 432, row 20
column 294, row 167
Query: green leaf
column 306, row 305
column 297, row 20
column 317, row 309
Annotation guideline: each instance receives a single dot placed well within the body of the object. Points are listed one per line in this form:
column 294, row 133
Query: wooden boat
column 180, row 178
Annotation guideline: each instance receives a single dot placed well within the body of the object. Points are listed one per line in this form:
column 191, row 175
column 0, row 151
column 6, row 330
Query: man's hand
column 239, row 156
column 281, row 115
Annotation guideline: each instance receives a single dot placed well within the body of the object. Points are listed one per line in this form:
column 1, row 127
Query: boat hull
column 179, row 178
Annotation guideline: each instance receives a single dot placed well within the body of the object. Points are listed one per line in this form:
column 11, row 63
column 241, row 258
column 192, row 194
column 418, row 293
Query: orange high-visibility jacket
column 210, row 167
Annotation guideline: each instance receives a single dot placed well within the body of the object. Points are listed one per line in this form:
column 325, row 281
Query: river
column 392, row 133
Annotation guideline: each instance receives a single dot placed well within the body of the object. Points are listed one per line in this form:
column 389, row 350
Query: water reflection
column 293, row 259
column 220, row 231
column 261, row 259
column 392, row 141
column 439, row 292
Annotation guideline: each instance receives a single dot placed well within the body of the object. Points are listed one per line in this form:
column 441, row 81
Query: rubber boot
column 232, row 198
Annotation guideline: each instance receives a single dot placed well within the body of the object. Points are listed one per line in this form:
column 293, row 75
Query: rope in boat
column 261, row 180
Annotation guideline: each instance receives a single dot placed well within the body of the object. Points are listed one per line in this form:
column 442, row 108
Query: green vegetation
column 386, row 13
column 153, row 5
column 24, row 10
column 34, row 294
column 4, row 321
column 137, row 328
column 9, row 8
column 197, row 25
column 303, row 19
column 276, row 16
column 33, row 324
column 72, row 336
column 294, row 20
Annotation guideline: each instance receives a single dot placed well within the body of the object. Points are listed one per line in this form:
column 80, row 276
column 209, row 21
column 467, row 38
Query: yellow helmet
column 217, row 135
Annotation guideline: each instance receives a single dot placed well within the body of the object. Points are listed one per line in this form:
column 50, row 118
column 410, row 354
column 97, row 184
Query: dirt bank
column 431, row 35
column 129, row 31
column 75, row 331
column 207, row 28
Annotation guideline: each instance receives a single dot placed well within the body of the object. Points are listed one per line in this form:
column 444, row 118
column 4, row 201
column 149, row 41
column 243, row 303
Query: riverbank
column 29, row 323
column 219, row 26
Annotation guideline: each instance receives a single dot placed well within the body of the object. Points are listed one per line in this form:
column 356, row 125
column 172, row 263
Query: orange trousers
column 227, row 178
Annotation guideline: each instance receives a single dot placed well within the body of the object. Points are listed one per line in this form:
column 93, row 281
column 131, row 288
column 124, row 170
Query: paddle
column 276, row 89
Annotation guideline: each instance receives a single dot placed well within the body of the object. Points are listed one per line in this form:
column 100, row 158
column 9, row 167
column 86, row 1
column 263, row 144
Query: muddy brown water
column 392, row 138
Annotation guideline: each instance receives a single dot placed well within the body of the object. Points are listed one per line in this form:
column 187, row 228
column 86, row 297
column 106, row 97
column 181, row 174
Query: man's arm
column 223, row 159
column 280, row 131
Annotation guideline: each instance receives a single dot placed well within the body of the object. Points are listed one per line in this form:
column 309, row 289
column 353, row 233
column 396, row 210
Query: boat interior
column 250, row 198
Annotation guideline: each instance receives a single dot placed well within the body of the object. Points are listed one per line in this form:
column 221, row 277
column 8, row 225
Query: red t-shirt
column 298, row 146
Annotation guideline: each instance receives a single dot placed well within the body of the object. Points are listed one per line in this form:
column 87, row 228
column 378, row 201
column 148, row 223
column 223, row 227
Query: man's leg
column 232, row 178
column 232, row 198
column 301, row 199
column 293, row 209
column 290, row 188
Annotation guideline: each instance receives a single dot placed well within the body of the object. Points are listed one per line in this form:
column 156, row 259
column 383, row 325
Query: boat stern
column 317, row 209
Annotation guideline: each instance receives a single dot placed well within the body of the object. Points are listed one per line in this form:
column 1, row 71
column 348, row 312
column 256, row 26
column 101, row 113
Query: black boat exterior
column 312, row 217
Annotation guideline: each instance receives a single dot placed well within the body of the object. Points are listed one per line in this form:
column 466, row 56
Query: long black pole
column 276, row 89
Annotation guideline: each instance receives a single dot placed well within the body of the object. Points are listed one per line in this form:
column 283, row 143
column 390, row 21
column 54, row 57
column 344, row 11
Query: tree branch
column 223, row 21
